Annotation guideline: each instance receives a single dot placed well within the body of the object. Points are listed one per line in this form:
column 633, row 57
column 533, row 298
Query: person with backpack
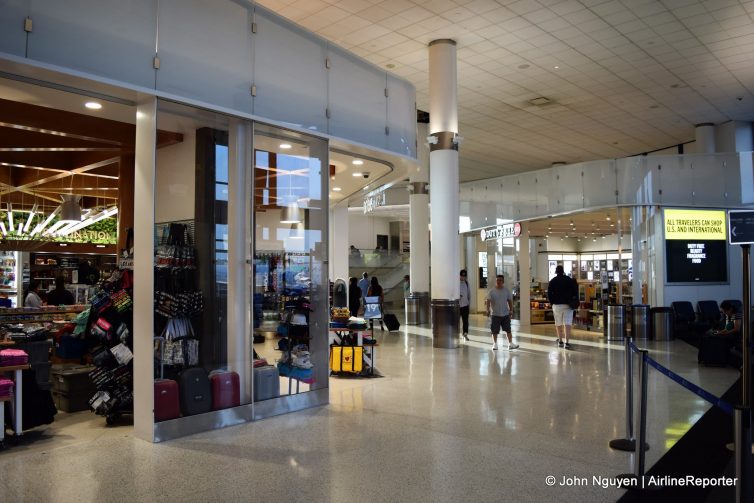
column 561, row 292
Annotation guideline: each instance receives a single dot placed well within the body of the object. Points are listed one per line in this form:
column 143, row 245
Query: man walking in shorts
column 499, row 304
column 560, row 291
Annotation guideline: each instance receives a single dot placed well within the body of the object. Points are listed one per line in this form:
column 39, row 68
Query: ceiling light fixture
column 93, row 105
column 285, row 146
column 357, row 162
column 336, row 189
column 357, row 174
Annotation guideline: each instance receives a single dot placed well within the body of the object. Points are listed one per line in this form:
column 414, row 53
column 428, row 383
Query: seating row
column 689, row 323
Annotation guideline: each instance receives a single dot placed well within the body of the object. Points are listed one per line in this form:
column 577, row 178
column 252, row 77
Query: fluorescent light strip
column 3, row 229
column 44, row 224
column 31, row 216
column 54, row 227
column 10, row 218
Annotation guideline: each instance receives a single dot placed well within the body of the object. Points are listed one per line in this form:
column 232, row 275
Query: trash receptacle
column 412, row 310
column 615, row 322
column 640, row 321
column 662, row 323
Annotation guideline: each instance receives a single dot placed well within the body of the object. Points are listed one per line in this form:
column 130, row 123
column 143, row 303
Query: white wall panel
column 205, row 50
column 547, row 183
column 569, row 190
column 676, row 180
column 599, row 183
column 109, row 38
column 357, row 102
column 635, row 182
column 12, row 34
column 401, row 116
column 708, row 178
column 289, row 73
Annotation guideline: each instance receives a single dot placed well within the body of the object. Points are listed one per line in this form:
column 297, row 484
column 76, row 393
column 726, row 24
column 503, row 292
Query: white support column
column 443, row 179
column 705, row 138
column 419, row 225
column 144, row 205
column 339, row 247
column 240, row 328
column 524, row 267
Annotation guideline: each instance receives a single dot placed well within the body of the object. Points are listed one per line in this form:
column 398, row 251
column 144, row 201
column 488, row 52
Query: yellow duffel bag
column 346, row 358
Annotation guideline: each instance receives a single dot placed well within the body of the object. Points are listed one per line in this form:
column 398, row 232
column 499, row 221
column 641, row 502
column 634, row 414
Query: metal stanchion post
column 643, row 367
column 744, row 491
column 746, row 339
column 628, row 443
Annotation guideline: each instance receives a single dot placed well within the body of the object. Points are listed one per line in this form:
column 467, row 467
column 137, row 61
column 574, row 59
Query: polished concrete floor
column 442, row 425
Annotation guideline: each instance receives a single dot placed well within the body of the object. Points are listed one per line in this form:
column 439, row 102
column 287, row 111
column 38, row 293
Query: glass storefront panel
column 191, row 264
column 290, row 286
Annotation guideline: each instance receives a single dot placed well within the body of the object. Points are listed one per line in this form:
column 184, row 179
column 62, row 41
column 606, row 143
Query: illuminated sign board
column 692, row 225
column 696, row 246
column 501, row 231
column 373, row 202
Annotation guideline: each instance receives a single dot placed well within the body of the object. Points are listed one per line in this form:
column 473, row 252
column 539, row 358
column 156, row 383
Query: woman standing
column 375, row 290
column 354, row 296
column 32, row 298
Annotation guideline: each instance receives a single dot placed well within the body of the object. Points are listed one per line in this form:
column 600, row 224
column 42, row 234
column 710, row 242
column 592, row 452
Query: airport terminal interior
column 439, row 426
column 187, row 187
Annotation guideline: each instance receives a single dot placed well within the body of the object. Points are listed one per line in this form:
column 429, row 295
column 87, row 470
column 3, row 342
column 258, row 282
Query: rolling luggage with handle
column 226, row 389
column 391, row 322
column 195, row 391
column 166, row 402
column 266, row 382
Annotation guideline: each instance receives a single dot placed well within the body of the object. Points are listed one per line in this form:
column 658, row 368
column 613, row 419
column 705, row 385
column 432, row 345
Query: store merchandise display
column 110, row 324
column 295, row 361
column 350, row 351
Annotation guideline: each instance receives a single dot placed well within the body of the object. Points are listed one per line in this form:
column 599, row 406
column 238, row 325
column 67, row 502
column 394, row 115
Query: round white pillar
column 705, row 138
column 443, row 181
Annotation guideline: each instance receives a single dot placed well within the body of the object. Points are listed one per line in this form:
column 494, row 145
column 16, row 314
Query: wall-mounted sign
column 696, row 247
column 741, row 227
column 501, row 231
column 374, row 201
column 695, row 224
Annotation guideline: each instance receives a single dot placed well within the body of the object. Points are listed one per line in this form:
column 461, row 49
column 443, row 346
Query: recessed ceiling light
column 285, row 146
column 357, row 174
column 654, row 106
column 336, row 189
column 357, row 162
column 557, row 67
column 607, row 218
column 390, row 65
column 93, row 105
column 523, row 67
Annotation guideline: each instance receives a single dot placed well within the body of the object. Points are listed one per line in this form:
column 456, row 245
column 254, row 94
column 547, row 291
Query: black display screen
column 696, row 261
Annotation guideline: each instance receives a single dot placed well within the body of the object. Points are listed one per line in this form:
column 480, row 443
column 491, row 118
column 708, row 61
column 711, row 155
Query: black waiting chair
column 708, row 314
column 684, row 318
column 737, row 304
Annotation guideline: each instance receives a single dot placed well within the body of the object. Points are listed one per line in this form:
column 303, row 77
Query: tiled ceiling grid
column 624, row 77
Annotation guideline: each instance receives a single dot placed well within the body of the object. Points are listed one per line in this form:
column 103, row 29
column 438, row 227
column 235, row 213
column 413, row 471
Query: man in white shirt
column 499, row 304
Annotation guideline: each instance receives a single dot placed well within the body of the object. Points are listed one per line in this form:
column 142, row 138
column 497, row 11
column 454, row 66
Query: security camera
column 365, row 175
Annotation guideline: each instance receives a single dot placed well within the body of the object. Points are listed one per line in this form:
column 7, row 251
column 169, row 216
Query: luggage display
column 346, row 359
column 195, row 391
column 166, row 402
column 714, row 350
column 71, row 402
column 226, row 389
column 266, row 383
column 391, row 322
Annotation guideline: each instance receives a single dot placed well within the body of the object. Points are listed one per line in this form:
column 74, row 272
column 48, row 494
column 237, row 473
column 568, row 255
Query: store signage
column 501, row 231
column 741, row 224
column 696, row 246
column 375, row 201
column 701, row 225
